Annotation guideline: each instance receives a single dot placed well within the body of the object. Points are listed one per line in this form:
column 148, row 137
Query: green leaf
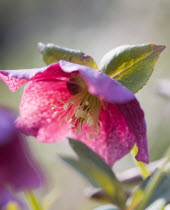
column 53, row 53
column 106, row 207
column 161, row 193
column 95, row 170
column 131, row 65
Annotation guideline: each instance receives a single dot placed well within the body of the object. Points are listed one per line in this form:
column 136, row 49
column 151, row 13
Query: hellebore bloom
column 86, row 103
column 18, row 169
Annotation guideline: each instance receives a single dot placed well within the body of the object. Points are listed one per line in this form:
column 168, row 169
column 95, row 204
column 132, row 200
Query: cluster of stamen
column 81, row 109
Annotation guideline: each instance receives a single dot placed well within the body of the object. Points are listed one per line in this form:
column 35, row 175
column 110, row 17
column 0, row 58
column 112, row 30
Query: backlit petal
column 36, row 115
column 15, row 78
column 134, row 117
column 121, row 129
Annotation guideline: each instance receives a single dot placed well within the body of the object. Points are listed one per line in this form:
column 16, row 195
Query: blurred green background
column 95, row 27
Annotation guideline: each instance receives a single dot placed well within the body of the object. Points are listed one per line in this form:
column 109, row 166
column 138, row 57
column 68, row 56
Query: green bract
column 53, row 53
column 131, row 65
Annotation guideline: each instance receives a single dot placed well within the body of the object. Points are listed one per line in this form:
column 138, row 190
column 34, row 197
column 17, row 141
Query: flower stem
column 142, row 166
column 32, row 200
column 154, row 182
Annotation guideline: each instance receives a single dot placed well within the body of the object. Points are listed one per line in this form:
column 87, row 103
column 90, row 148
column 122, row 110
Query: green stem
column 154, row 182
column 32, row 200
column 142, row 166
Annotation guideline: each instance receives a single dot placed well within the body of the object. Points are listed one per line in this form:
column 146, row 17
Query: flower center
column 80, row 109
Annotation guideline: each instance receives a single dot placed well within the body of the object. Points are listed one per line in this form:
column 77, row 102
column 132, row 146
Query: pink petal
column 115, row 139
column 53, row 132
column 36, row 115
column 15, row 78
column 118, row 133
column 134, row 116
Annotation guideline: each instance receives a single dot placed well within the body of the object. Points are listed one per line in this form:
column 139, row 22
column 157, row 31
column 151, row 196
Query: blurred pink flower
column 87, row 105
column 18, row 169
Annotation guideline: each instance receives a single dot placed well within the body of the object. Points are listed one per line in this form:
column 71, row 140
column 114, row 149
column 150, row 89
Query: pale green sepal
column 53, row 53
column 131, row 65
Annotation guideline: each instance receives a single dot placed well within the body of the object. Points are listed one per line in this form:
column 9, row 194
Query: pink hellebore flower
column 65, row 99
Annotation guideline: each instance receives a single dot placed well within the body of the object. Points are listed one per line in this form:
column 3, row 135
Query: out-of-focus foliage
column 162, row 192
column 90, row 165
column 154, row 190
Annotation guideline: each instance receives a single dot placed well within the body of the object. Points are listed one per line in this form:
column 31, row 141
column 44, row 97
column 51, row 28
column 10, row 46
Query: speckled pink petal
column 134, row 117
column 53, row 132
column 118, row 133
column 36, row 115
column 15, row 78
column 115, row 139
